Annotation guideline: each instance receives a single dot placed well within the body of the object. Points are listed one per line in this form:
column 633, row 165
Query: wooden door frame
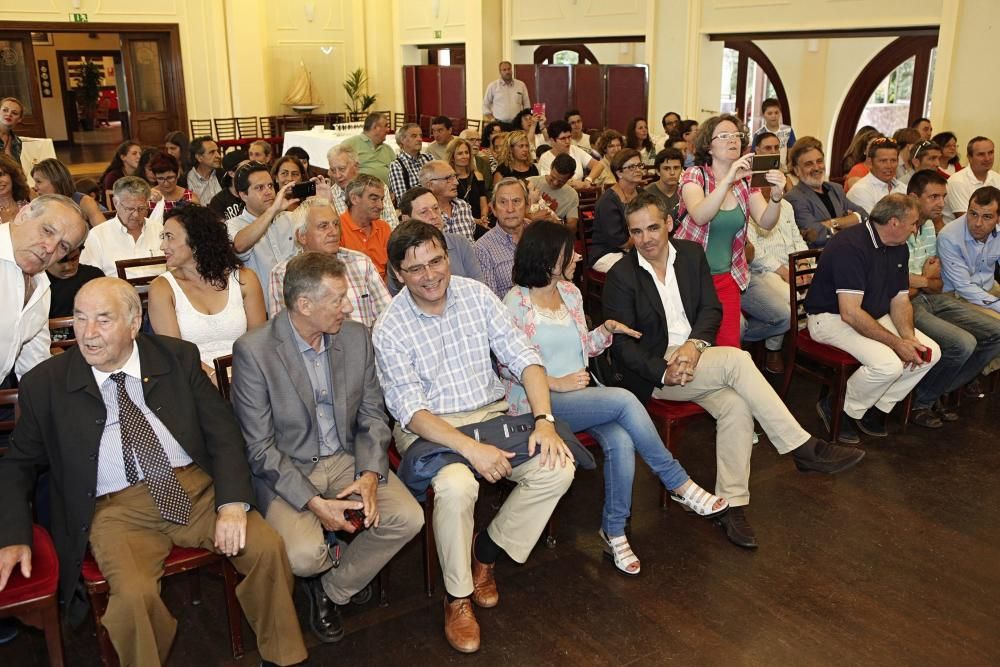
column 63, row 81
column 172, row 29
column 35, row 92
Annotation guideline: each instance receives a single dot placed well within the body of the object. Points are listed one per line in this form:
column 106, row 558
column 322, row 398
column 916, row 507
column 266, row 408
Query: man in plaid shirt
column 344, row 167
column 404, row 171
column 438, row 177
column 317, row 229
column 432, row 349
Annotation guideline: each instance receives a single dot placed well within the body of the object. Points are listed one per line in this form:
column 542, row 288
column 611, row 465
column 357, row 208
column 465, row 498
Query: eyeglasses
column 141, row 210
column 166, row 179
column 433, row 265
column 632, row 165
column 727, row 136
column 449, row 177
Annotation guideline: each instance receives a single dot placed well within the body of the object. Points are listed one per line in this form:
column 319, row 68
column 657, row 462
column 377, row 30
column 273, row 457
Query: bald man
column 145, row 455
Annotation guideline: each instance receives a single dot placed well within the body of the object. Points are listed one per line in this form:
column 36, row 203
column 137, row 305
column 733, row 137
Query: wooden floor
column 893, row 563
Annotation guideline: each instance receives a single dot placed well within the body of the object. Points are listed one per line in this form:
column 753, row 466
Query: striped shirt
column 773, row 246
column 404, row 172
column 922, row 245
column 441, row 363
column 111, row 475
column 495, row 250
column 461, row 221
column 388, row 210
column 368, row 294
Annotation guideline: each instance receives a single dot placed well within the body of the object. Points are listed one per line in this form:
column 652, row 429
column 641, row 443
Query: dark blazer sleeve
column 18, row 469
column 610, row 233
column 371, row 435
column 621, row 290
column 224, row 443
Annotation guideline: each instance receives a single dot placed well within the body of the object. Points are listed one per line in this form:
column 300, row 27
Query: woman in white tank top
column 205, row 297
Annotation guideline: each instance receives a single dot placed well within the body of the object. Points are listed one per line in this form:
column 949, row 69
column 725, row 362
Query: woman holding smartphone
column 716, row 204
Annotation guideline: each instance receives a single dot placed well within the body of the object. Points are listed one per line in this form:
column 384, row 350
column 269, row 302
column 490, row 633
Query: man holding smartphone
column 859, row 302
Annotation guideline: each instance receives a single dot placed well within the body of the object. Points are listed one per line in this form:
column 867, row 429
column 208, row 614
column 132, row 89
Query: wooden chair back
column 246, row 127
column 225, row 129
column 223, row 374
column 201, row 128
column 142, row 275
column 59, row 338
column 801, row 268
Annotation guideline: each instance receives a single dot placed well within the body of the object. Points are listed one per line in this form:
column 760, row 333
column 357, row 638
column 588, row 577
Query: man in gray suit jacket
column 305, row 394
column 821, row 208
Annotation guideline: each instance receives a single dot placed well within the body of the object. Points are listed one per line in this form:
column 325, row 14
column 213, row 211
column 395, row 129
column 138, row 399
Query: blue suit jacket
column 811, row 212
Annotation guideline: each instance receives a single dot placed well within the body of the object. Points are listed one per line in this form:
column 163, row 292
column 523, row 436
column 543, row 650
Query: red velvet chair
column 180, row 559
column 33, row 601
column 670, row 417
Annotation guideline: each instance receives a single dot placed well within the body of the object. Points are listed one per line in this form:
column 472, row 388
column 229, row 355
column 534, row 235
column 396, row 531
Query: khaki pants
column 730, row 388
column 516, row 527
column 130, row 541
column 400, row 518
column 882, row 381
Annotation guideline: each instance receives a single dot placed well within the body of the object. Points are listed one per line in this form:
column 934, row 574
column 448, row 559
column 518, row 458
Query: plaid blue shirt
column 495, row 250
column 461, row 221
column 441, row 363
column 404, row 172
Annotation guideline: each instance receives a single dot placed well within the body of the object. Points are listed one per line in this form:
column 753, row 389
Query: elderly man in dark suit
column 306, row 396
column 144, row 455
column 663, row 288
column 821, row 208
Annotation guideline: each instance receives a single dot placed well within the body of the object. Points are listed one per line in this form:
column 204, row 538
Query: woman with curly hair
column 608, row 145
column 13, row 188
column 53, row 178
column 514, row 158
column 206, row 297
column 637, row 137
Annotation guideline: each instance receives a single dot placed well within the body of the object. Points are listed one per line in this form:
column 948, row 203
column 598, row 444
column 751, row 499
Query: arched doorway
column 565, row 54
column 896, row 56
column 756, row 78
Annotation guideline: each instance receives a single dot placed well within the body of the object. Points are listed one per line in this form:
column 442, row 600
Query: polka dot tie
column 138, row 437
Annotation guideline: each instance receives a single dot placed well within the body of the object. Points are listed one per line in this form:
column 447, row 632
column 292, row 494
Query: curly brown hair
column 214, row 256
column 19, row 185
column 703, row 140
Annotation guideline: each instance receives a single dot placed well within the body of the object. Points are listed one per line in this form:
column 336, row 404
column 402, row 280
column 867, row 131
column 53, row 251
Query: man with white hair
column 344, row 167
column 317, row 229
column 404, row 172
column 128, row 235
column 439, row 177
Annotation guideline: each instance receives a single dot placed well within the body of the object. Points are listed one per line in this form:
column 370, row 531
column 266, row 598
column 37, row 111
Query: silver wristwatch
column 700, row 345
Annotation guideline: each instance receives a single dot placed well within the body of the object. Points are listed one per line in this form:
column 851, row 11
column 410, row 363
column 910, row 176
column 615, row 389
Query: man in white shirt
column 881, row 180
column 505, row 97
column 577, row 135
column 263, row 235
column 962, row 184
column 561, row 135
column 41, row 234
column 128, row 235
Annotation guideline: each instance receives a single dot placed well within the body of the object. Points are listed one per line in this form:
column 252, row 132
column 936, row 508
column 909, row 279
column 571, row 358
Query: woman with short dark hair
column 166, row 171
column 546, row 305
column 206, row 297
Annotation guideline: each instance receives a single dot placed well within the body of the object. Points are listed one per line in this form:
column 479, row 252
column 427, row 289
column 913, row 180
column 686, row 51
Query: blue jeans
column 766, row 306
column 968, row 338
column 619, row 422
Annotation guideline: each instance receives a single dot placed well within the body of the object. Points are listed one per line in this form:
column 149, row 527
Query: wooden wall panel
column 526, row 73
column 410, row 106
column 626, row 91
column 553, row 88
column 428, row 90
column 588, row 94
column 452, row 87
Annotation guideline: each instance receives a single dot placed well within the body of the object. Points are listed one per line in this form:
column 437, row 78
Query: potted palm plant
column 356, row 88
column 88, row 92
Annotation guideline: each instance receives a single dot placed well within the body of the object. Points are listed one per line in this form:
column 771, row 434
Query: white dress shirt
column 961, row 185
column 110, row 241
column 773, row 246
column 24, row 336
column 505, row 100
column 678, row 326
column 869, row 190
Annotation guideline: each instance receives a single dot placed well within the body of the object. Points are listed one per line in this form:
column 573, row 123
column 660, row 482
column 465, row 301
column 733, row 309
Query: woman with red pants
column 716, row 204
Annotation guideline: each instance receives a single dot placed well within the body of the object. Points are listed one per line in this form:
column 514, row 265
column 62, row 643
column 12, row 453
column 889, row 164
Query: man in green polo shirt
column 373, row 153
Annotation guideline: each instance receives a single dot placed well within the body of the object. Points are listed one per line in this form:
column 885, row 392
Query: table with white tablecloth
column 33, row 151
column 317, row 142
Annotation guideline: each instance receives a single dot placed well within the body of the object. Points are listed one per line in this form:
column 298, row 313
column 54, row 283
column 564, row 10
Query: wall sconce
column 435, row 8
column 310, row 10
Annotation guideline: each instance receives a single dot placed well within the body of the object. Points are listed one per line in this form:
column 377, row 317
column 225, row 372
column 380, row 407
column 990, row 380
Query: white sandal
column 617, row 549
column 700, row 501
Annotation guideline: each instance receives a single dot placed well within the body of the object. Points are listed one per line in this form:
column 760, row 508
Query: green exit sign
column 437, row 34
column 78, row 18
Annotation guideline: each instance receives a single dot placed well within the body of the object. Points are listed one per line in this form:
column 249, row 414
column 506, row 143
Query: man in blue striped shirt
column 432, row 347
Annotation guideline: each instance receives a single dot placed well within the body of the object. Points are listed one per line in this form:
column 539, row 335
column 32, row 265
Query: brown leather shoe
column 461, row 628
column 484, row 583
column 774, row 362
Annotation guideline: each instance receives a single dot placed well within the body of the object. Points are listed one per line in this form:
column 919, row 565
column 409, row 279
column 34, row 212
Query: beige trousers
column 400, row 518
column 730, row 388
column 516, row 527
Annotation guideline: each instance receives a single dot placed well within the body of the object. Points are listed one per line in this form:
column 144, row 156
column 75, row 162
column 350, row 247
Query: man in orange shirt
column 361, row 226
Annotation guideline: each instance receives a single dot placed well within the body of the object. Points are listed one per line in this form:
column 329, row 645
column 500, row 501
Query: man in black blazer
column 144, row 455
column 821, row 207
column 663, row 289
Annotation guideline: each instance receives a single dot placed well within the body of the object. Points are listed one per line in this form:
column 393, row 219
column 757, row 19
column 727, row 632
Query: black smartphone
column 303, row 190
column 760, row 166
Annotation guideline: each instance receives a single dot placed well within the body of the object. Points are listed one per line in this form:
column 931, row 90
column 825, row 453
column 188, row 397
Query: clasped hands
column 681, row 365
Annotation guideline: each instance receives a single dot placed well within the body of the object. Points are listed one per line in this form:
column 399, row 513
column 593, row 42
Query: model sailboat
column 302, row 95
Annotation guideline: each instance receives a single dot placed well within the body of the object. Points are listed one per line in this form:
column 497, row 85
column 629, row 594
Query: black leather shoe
column 737, row 528
column 324, row 615
column 926, row 417
column 816, row 455
column 873, row 423
column 943, row 413
column 847, row 435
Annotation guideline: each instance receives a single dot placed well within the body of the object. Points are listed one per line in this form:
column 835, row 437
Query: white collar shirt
column 678, row 326
column 24, row 336
column 110, row 241
column 869, row 190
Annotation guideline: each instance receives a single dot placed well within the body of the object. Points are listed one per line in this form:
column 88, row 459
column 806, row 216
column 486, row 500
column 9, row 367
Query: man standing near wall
column 505, row 97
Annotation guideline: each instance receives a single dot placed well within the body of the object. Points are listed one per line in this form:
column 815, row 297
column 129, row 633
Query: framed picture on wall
column 41, row 38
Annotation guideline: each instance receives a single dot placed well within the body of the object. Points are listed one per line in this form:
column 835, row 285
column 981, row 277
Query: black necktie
column 138, row 436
